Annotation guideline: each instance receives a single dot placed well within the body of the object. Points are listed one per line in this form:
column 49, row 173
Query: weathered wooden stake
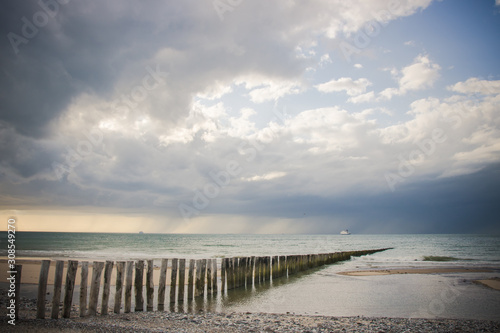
column 69, row 287
column 230, row 273
column 56, row 296
column 95, row 285
column 258, row 269
column 214, row 275
column 106, row 287
column 42, row 289
column 173, row 280
column 182, row 280
column 120, row 267
column 223, row 275
column 138, row 285
column 161, row 286
column 209, row 276
column 197, row 289
column 150, row 287
column 191, row 279
column 128, row 286
column 249, row 272
column 282, row 266
column 84, row 281
column 274, row 265
column 241, row 271
column 203, row 276
column 234, row 268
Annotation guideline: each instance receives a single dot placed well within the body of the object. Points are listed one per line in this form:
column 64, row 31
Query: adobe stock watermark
column 223, row 6
column 30, row 28
column 151, row 81
column 221, row 179
column 437, row 306
column 363, row 38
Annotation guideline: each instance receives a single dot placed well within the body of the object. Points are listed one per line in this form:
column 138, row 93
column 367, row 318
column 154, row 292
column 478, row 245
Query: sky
column 238, row 116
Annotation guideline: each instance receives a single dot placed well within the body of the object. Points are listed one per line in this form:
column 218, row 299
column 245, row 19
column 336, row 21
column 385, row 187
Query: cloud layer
column 193, row 112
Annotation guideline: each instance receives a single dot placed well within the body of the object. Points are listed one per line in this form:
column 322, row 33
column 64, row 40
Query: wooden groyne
column 188, row 280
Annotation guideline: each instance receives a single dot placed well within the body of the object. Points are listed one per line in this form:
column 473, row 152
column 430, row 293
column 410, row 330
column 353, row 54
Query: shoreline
column 493, row 283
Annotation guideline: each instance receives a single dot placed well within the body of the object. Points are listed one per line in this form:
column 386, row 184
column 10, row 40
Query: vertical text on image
column 11, row 272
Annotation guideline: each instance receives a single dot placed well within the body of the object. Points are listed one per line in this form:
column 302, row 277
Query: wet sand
column 416, row 271
column 493, row 283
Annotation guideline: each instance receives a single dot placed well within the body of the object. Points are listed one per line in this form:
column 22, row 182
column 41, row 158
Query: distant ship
column 345, row 232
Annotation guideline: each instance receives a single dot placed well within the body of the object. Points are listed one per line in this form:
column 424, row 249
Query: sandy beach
column 253, row 320
column 493, row 283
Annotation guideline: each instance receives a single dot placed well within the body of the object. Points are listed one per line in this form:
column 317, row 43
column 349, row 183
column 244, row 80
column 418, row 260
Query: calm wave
column 408, row 249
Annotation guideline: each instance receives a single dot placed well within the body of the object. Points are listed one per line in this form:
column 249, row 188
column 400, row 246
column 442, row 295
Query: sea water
column 321, row 291
column 463, row 250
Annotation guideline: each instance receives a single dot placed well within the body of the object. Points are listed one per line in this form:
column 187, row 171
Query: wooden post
column 69, row 287
column 95, row 285
column 106, row 287
column 17, row 283
column 249, row 272
column 56, row 296
column 191, row 279
column 182, row 280
column 150, row 287
column 267, row 268
column 243, row 268
column 203, row 276
column 197, row 289
column 128, row 286
column 230, row 273
column 161, row 286
column 120, row 267
column 241, row 271
column 260, row 268
column 209, row 276
column 42, row 289
column 173, row 280
column 138, row 285
column 282, row 266
column 223, row 275
column 275, row 273
column 263, row 268
column 214, row 275
column 84, row 281
column 234, row 271
column 256, row 270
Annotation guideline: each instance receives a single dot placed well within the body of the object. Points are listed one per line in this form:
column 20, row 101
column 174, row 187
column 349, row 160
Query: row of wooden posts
column 201, row 278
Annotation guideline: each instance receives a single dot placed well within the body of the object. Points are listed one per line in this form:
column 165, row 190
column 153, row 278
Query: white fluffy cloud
column 475, row 85
column 420, row 75
column 152, row 145
column 347, row 84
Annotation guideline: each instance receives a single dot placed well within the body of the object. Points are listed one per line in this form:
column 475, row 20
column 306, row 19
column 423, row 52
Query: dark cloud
column 69, row 75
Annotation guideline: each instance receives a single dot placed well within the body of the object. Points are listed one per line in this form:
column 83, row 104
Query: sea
column 320, row 291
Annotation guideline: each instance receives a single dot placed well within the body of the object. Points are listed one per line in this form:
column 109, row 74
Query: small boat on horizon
column 345, row 232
